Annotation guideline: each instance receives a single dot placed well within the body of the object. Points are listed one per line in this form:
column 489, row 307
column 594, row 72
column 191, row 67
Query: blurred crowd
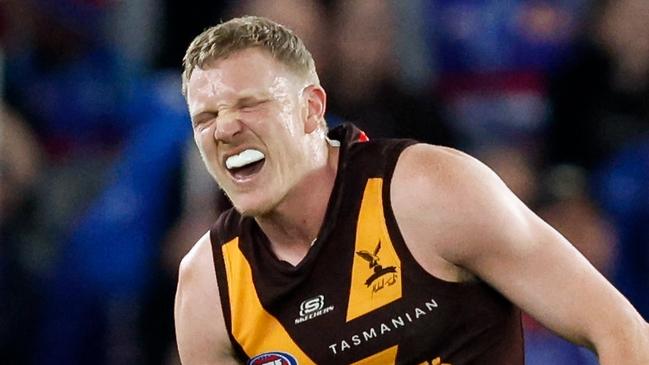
column 102, row 191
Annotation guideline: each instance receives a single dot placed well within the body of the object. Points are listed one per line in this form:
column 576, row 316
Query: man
column 344, row 250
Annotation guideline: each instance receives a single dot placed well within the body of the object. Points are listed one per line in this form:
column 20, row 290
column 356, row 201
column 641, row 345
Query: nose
column 228, row 126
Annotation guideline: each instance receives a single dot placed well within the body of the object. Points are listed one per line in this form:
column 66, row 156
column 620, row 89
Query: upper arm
column 200, row 328
column 464, row 214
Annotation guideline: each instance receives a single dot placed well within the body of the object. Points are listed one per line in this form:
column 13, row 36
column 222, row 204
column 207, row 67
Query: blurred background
column 102, row 191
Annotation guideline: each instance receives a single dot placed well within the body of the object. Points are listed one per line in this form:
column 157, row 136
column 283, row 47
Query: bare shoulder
column 200, row 326
column 197, row 261
column 440, row 169
column 444, row 200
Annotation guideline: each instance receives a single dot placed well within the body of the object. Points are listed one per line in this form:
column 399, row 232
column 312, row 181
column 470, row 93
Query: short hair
column 227, row 38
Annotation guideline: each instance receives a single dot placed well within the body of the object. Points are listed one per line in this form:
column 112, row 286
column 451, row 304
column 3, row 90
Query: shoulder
column 434, row 167
column 200, row 326
column 435, row 177
column 197, row 286
column 197, row 264
column 451, row 203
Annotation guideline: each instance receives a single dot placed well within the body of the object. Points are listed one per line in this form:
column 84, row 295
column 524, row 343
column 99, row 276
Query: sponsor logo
column 312, row 308
column 311, row 305
column 396, row 323
column 273, row 358
column 381, row 276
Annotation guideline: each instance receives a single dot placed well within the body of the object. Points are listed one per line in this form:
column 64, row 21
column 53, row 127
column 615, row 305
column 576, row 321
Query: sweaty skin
column 241, row 102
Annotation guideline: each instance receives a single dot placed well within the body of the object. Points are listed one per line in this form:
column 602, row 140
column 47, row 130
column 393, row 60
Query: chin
column 252, row 212
column 254, row 208
column 257, row 203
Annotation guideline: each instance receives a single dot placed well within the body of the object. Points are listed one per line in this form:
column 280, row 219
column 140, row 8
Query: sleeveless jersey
column 358, row 296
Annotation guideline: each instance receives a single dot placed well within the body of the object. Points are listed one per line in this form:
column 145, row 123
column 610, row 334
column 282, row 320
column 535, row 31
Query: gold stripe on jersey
column 256, row 330
column 376, row 270
column 387, row 356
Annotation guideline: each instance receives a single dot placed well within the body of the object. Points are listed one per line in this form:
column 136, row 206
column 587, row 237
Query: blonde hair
column 224, row 39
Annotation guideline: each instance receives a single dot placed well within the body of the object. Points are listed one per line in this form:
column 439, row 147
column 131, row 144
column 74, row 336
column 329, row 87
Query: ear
column 316, row 99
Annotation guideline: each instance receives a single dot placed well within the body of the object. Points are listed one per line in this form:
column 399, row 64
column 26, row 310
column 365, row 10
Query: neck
column 293, row 225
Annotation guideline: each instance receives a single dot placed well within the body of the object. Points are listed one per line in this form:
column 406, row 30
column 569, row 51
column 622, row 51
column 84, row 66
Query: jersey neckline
column 347, row 134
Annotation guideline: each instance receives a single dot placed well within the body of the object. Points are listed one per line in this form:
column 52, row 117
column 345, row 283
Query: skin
column 487, row 232
column 459, row 220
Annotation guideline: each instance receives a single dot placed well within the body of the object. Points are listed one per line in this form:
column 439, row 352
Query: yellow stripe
column 385, row 357
column 372, row 229
column 256, row 330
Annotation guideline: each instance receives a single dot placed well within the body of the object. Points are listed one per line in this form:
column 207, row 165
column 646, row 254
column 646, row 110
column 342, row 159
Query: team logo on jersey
column 273, row 358
column 313, row 307
column 378, row 270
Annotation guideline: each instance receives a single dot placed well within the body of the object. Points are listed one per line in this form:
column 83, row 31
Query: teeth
column 244, row 158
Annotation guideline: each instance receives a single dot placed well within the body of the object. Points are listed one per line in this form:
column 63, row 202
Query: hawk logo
column 379, row 271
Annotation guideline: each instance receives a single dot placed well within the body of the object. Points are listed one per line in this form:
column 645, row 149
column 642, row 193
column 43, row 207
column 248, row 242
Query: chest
column 358, row 297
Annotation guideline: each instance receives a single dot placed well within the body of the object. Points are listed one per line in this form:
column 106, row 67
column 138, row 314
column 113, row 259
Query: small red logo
column 363, row 137
column 273, row 358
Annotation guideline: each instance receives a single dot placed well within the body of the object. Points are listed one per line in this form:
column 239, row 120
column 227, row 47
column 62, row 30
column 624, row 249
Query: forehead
column 250, row 71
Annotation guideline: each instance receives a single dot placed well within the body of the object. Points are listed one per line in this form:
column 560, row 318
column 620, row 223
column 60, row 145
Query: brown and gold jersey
column 358, row 297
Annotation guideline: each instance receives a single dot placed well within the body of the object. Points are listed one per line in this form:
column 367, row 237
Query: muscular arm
column 200, row 327
column 459, row 219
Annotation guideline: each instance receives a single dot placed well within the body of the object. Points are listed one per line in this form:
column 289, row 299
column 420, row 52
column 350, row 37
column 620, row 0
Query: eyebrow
column 251, row 98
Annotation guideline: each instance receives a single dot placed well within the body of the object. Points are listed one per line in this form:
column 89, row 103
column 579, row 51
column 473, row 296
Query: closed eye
column 250, row 105
column 203, row 118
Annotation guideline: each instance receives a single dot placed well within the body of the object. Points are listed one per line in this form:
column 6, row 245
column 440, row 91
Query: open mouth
column 245, row 164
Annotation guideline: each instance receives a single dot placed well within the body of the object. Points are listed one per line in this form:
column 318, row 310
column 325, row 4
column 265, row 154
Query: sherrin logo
column 273, row 358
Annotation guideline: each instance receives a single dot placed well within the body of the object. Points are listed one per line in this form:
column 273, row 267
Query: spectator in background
column 363, row 77
column 600, row 100
column 62, row 73
column 114, row 141
column 308, row 18
column 70, row 87
column 181, row 21
column 601, row 124
column 621, row 188
column 492, row 59
column 108, row 263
